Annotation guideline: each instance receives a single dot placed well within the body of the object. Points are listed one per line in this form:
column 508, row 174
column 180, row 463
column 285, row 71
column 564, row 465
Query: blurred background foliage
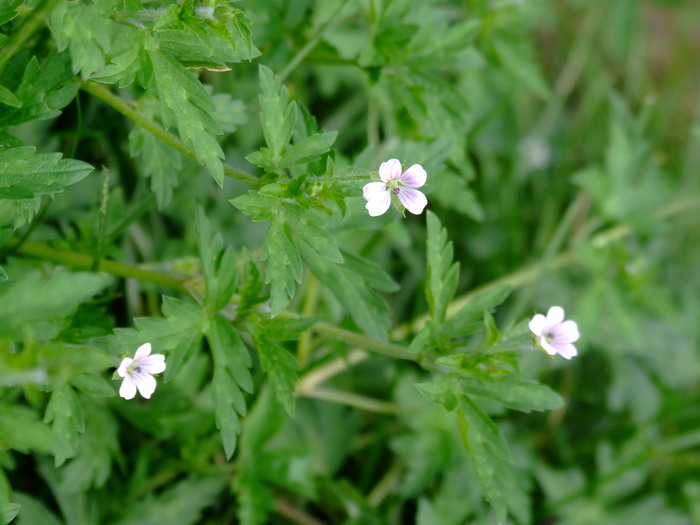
column 562, row 143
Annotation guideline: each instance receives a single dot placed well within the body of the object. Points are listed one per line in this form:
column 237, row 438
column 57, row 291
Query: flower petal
column 414, row 177
column 389, row 170
column 143, row 351
column 378, row 204
column 146, row 384
column 566, row 332
column 123, row 366
column 555, row 315
column 373, row 189
column 549, row 348
column 128, row 388
column 413, row 200
column 567, row 351
column 537, row 324
column 152, row 364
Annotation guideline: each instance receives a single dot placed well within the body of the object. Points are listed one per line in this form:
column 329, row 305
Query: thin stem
column 19, row 38
column 318, row 375
column 122, row 106
column 385, row 486
column 301, row 54
column 388, row 349
column 84, row 262
column 355, row 400
column 305, row 345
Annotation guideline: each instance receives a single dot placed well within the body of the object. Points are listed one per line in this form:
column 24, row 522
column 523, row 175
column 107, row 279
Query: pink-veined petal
column 372, row 189
column 123, row 366
column 537, row 324
column 378, row 204
column 389, row 170
column 413, row 200
column 555, row 315
column 146, row 384
column 414, row 177
column 566, row 332
column 567, row 351
column 152, row 364
column 143, row 351
column 128, row 388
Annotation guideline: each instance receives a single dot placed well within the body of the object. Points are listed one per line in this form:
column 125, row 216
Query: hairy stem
column 122, row 106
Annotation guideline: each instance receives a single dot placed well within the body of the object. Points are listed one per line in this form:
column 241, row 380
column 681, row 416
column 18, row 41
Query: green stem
column 388, row 349
column 84, row 262
column 122, row 106
column 301, row 54
column 354, row 400
column 19, row 38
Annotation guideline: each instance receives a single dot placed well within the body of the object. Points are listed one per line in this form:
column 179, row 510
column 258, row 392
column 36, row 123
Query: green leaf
column 21, row 430
column 185, row 102
column 468, row 318
column 181, row 504
column 277, row 115
column 443, row 275
column 8, row 10
column 87, row 34
column 8, row 98
column 308, row 149
column 160, row 163
column 66, row 414
column 525, row 396
column 34, row 511
column 219, row 264
column 92, row 464
column 25, row 176
column 284, row 267
column 491, row 457
column 42, row 91
column 231, row 377
column 353, row 284
column 259, row 207
column 279, row 365
column 178, row 332
column 518, row 60
column 9, row 511
column 34, row 302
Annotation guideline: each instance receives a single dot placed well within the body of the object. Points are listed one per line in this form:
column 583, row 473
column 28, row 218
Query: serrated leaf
column 307, row 150
column 277, row 115
column 92, row 464
column 87, row 34
column 231, row 377
column 178, row 333
column 259, row 207
column 25, row 176
column 66, row 416
column 161, row 163
column 443, row 275
column 492, row 461
column 44, row 89
column 279, row 365
column 35, row 301
column 467, row 320
column 284, row 267
column 181, row 504
column 186, row 103
column 525, row 396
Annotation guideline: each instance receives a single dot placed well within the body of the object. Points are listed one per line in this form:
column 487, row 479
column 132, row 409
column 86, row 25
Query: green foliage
column 359, row 370
column 231, row 379
column 25, row 176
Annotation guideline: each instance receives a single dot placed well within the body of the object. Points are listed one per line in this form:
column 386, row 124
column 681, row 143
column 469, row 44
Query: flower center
column 133, row 368
column 393, row 186
column 395, row 191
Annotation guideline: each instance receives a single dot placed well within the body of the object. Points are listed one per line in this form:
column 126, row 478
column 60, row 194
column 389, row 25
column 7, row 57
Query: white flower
column 554, row 334
column 394, row 181
column 138, row 372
